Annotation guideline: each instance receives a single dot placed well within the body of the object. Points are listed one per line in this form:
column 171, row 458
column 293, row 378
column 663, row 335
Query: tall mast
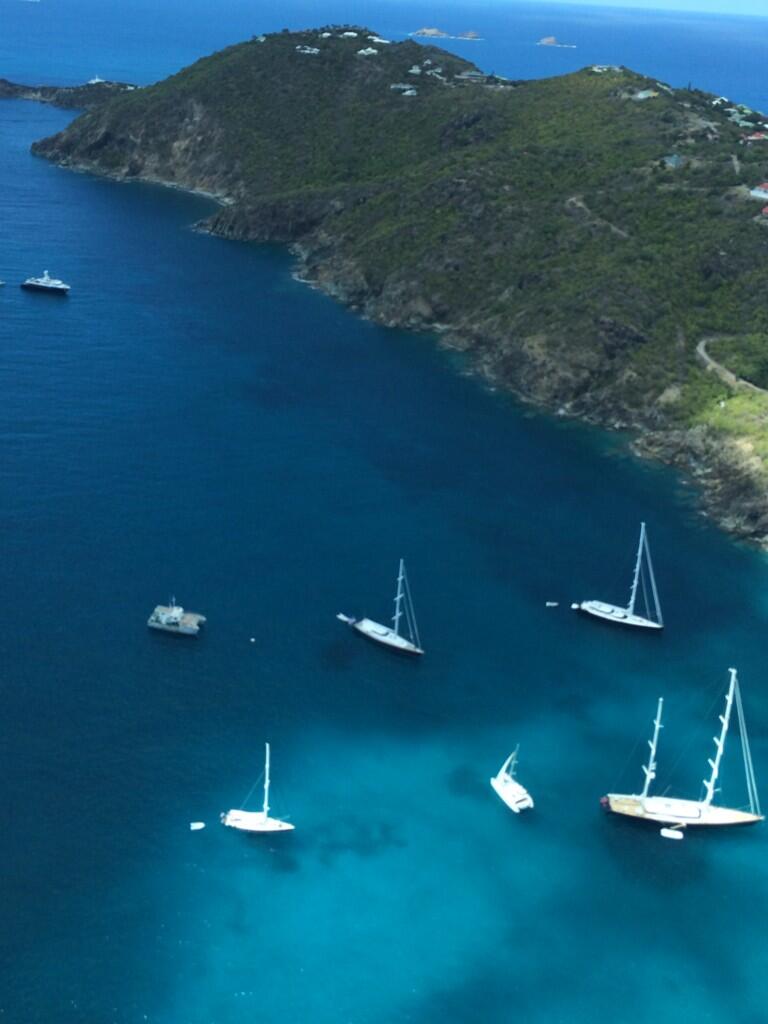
column 636, row 577
column 649, row 770
column 266, row 781
column 410, row 614
column 709, row 784
column 749, row 771
column 399, row 598
column 652, row 579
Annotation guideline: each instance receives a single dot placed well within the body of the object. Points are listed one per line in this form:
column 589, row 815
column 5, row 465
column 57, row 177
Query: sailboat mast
column 410, row 614
column 749, row 771
column 399, row 598
column 266, row 781
column 636, row 577
column 709, row 784
column 649, row 770
column 652, row 579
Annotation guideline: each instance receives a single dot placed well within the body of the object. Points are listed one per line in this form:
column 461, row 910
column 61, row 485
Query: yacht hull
column 516, row 797
column 254, row 821
column 613, row 613
column 187, row 624
column 48, row 289
column 385, row 636
column 669, row 811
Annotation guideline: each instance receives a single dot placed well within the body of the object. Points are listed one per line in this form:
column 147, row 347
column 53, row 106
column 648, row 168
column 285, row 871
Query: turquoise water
column 193, row 420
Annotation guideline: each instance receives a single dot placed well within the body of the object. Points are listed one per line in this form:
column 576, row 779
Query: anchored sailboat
column 392, row 637
column 257, row 821
column 515, row 796
column 679, row 814
column 643, row 590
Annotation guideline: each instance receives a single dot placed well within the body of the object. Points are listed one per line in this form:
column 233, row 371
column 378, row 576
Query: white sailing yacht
column 515, row 796
column 677, row 813
column 643, row 587
column 257, row 821
column 392, row 637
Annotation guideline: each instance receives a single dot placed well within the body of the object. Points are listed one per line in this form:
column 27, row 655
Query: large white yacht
column 676, row 814
column 257, row 821
column 647, row 594
column 391, row 636
column 46, row 283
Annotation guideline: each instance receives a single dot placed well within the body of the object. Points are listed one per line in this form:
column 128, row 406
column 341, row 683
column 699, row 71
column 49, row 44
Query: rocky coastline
column 730, row 486
column 731, row 489
column 586, row 353
column 70, row 97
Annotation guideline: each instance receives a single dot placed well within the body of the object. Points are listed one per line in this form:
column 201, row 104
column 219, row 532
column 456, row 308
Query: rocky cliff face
column 534, row 225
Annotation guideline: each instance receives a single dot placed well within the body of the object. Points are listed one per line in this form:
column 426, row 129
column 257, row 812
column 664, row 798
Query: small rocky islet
column 576, row 236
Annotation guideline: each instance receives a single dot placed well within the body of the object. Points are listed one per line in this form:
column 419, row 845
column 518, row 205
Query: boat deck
column 674, row 811
column 189, row 623
column 614, row 613
column 384, row 635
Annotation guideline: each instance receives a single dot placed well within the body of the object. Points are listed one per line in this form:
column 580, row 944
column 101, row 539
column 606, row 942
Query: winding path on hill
column 722, row 372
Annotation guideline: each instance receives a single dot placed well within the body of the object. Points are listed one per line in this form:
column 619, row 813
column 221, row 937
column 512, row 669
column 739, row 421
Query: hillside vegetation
column 73, row 97
column 542, row 225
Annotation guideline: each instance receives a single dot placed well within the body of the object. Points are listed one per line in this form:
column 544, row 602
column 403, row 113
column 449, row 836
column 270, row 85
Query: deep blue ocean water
column 68, row 41
column 194, row 420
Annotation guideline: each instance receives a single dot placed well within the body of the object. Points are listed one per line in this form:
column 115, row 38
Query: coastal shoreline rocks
column 730, row 491
column 433, row 239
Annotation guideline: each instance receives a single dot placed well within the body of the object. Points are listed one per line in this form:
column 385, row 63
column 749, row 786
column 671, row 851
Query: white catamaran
column 515, row 796
column 678, row 814
column 392, row 637
column 643, row 587
column 257, row 821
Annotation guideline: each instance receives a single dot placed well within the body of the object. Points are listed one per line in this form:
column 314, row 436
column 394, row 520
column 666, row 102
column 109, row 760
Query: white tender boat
column 257, row 821
column 391, row 636
column 676, row 814
column 643, row 589
column 515, row 796
column 46, row 283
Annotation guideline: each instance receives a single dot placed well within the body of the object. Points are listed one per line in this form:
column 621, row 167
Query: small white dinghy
column 515, row 796
column 257, row 821
column 643, row 580
column 392, row 637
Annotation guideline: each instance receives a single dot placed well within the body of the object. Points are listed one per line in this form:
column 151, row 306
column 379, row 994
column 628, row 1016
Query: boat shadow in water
column 287, row 852
column 338, row 656
column 464, row 782
column 360, row 836
column 639, row 854
column 282, row 854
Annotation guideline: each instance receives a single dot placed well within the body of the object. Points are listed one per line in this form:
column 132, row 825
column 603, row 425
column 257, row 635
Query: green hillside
column 577, row 235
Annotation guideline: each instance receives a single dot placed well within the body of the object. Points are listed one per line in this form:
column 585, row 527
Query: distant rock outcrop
column 553, row 41
column 436, row 33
